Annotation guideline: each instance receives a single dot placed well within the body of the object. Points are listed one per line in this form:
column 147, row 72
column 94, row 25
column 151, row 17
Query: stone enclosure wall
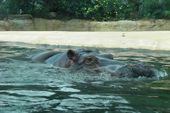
column 38, row 24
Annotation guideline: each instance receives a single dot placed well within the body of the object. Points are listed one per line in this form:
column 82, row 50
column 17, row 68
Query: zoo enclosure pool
column 27, row 87
column 39, row 88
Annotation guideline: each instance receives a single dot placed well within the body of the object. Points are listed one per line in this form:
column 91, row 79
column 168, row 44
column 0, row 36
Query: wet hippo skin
column 93, row 61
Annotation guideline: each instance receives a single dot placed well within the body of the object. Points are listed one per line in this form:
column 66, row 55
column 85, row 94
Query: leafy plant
column 102, row 10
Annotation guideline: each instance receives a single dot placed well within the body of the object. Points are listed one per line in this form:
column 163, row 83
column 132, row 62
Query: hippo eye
column 90, row 60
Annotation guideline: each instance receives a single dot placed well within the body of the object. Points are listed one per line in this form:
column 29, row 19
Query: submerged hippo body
column 93, row 61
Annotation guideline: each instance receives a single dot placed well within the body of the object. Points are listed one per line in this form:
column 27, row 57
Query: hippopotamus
column 93, row 61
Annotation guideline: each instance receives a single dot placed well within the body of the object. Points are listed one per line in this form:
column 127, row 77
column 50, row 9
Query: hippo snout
column 136, row 70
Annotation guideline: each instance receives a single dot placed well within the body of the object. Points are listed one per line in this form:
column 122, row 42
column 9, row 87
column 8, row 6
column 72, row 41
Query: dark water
column 27, row 87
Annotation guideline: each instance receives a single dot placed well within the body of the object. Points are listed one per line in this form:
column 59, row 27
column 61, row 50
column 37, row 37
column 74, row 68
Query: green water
column 27, row 87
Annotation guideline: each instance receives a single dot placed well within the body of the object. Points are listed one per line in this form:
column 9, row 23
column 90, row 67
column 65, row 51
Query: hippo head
column 93, row 61
column 86, row 59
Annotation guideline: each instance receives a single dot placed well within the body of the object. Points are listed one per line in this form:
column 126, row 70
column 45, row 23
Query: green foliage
column 155, row 8
column 102, row 10
column 89, row 9
column 3, row 11
column 166, row 14
column 127, row 9
column 34, row 7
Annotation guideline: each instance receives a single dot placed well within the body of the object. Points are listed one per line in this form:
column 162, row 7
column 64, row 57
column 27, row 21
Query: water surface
column 27, row 87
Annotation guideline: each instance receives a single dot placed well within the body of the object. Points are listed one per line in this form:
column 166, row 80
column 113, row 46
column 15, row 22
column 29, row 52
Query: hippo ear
column 71, row 54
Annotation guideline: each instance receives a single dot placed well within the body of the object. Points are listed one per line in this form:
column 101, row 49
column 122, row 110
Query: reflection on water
column 27, row 87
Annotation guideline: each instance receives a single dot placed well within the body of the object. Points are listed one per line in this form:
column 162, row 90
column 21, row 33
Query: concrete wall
column 155, row 40
column 38, row 24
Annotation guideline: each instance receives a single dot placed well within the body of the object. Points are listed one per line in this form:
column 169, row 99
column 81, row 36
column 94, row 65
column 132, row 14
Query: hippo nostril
column 97, row 71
